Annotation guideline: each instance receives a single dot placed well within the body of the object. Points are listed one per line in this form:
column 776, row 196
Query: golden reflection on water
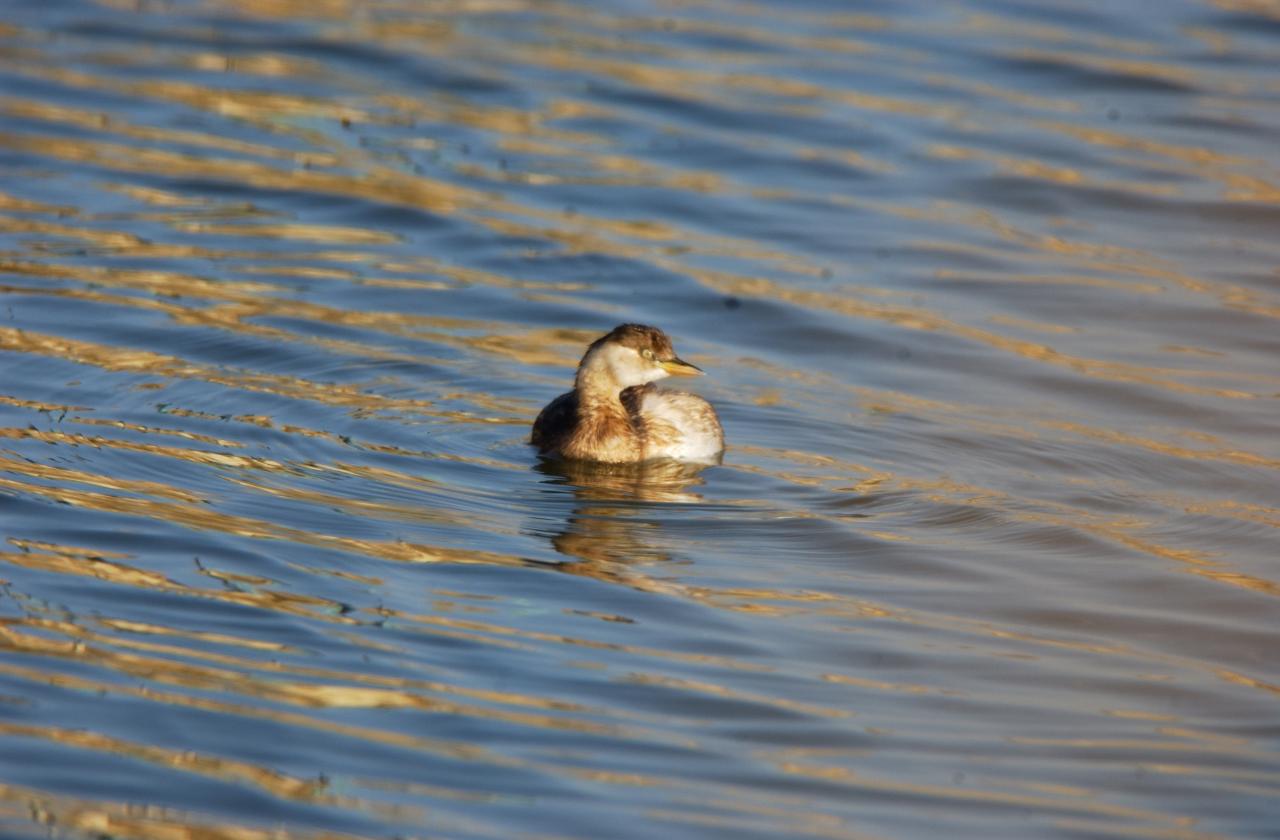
column 238, row 268
column 22, row 806
column 839, row 775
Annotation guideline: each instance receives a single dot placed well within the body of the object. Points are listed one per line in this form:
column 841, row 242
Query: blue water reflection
column 986, row 295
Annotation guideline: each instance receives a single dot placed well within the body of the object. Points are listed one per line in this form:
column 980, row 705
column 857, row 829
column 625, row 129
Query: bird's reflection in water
column 607, row 528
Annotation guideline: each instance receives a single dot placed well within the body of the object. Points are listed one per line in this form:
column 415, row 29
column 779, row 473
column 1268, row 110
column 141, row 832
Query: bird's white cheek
column 641, row 375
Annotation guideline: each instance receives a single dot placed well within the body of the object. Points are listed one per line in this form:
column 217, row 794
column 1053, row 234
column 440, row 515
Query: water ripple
column 987, row 296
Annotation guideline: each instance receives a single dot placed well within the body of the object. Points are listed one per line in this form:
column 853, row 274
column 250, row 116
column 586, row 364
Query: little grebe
column 616, row 414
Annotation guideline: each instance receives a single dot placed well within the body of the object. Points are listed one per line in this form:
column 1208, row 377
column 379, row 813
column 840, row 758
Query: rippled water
column 988, row 293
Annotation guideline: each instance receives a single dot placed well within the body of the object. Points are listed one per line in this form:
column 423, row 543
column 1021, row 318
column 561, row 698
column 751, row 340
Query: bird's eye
column 648, row 354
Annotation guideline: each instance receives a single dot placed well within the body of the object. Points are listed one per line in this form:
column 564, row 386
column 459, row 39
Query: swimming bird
column 615, row 414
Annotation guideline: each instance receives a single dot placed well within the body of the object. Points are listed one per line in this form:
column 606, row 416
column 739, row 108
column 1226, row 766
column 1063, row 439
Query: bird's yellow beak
column 679, row 367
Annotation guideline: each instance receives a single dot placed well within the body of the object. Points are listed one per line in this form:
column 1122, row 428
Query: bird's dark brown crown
column 639, row 337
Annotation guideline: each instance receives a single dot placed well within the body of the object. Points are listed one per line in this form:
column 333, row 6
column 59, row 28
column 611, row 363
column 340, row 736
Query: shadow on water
column 609, row 522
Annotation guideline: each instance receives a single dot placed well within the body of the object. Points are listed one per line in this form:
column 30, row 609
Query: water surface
column 988, row 295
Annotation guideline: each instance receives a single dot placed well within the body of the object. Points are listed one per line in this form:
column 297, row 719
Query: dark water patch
column 1247, row 22
column 284, row 287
